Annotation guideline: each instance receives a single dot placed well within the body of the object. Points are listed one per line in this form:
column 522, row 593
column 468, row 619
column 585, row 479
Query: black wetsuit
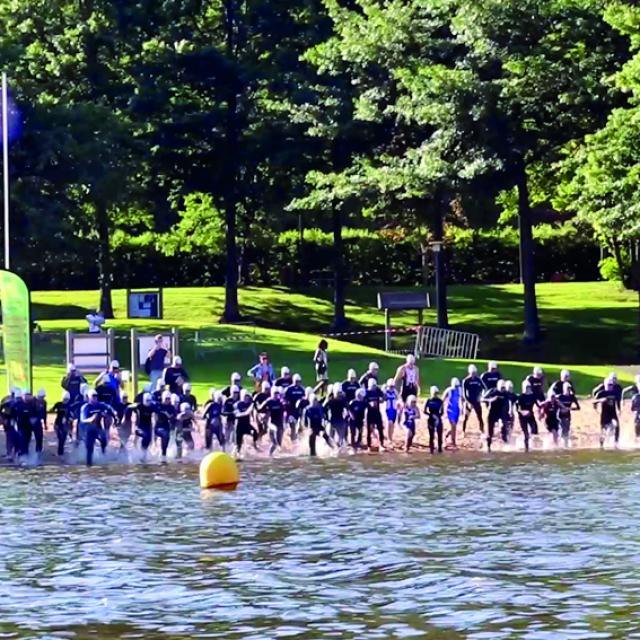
column 525, row 405
column 433, row 409
column 565, row 403
column 335, row 410
column 499, row 406
column 349, row 388
column 274, row 408
column 609, row 411
column 558, row 387
column 212, row 415
column 164, row 424
column 62, row 423
column 537, row 387
column 490, row 379
column 144, row 424
column 374, row 415
column 472, row 390
column 314, row 419
column 357, row 410
column 243, row 423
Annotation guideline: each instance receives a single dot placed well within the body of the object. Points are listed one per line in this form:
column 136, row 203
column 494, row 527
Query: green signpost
column 15, row 300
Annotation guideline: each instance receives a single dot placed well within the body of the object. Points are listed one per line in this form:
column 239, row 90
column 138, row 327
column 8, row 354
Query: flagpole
column 5, row 169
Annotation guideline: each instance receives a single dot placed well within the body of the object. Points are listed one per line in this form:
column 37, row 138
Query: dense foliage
column 191, row 141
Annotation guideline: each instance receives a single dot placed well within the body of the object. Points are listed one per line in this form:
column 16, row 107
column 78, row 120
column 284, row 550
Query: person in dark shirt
column 510, row 408
column 175, row 376
column 472, row 390
column 93, row 416
column 7, row 414
column 433, row 409
column 371, row 374
column 567, row 401
column 156, row 361
column 212, row 415
column 615, row 386
column 491, row 376
column 259, row 398
column 313, row 417
column 525, row 407
column 236, row 381
column 549, row 411
column 145, row 412
column 184, row 428
column 634, row 391
column 188, row 397
column 558, row 386
column 72, row 383
column 165, row 422
column 243, row 411
column 498, row 410
column 409, row 417
column 336, row 410
column 274, row 409
column 285, row 380
column 536, row 380
column 292, row 395
column 374, row 415
column 62, row 421
column 229, row 413
column 357, row 410
column 607, row 400
column 350, row 385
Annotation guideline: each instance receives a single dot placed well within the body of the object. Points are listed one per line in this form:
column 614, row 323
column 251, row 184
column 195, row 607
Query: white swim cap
column 373, row 366
column 337, row 388
column 391, row 383
column 308, row 391
column 501, row 385
column 472, row 369
column 114, row 364
column 411, row 399
column 276, row 391
column 525, row 385
column 92, row 393
column 434, row 390
column 265, row 386
column 351, row 374
column 509, row 385
column 177, row 361
column 285, row 371
column 186, row 387
column 66, row 396
column 455, row 382
column 537, row 371
column 312, row 397
column 185, row 406
column 244, row 393
column 234, row 389
column 492, row 365
column 236, row 377
column 166, row 395
column 372, row 384
column 565, row 374
column 361, row 394
column 297, row 378
column 146, row 399
column 411, row 359
column 71, row 367
column 175, row 399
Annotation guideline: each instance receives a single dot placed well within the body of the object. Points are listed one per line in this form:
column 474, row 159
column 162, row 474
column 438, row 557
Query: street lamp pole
column 441, row 285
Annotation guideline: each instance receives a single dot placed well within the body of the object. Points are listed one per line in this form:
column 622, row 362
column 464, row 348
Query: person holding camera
column 321, row 365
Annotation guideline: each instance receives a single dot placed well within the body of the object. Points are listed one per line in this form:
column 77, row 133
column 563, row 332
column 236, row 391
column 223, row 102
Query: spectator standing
column 261, row 372
column 175, row 375
column 95, row 320
column 156, row 361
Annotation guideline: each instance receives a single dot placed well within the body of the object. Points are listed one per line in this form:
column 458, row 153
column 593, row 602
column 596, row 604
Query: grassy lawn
column 222, row 349
column 588, row 323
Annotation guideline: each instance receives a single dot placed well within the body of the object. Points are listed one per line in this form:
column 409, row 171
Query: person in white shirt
column 95, row 320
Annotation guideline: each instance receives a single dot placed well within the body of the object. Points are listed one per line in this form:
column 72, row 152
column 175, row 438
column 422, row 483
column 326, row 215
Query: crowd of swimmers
column 359, row 413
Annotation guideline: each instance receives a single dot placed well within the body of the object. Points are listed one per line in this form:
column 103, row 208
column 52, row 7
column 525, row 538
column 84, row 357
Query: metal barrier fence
column 444, row 343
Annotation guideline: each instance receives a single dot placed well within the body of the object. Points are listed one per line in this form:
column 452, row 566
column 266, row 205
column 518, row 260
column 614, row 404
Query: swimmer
column 145, row 411
column 607, row 399
column 184, row 428
column 433, row 409
column 94, row 414
column 374, row 399
column 350, row 385
column 285, row 380
column 452, row 398
column 408, row 378
column 491, row 376
column 62, row 421
column 212, row 416
column 567, row 401
column 472, row 390
column 409, row 417
column 498, row 412
column 259, row 398
column 336, row 411
column 165, row 418
column 391, row 407
column 292, row 395
column 235, row 381
column 357, row 409
column 229, row 413
column 370, row 374
column 274, row 410
column 549, row 411
column 188, row 397
column 313, row 417
column 243, row 411
column 558, row 386
column 536, row 380
column 634, row 391
column 525, row 404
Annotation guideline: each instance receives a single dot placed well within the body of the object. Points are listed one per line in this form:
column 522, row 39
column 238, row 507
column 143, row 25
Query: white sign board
column 91, row 352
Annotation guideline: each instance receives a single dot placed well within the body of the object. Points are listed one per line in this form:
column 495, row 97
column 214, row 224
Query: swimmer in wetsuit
column 212, row 416
column 274, row 410
column 608, row 400
column 525, row 404
column 374, row 398
column 407, row 378
column 433, row 409
column 313, row 417
column 499, row 408
column 567, row 401
column 62, row 421
column 335, row 407
column 243, row 411
column 452, row 398
column 350, row 385
column 536, row 380
column 409, row 417
column 144, row 412
column 292, row 395
column 357, row 409
column 634, row 392
column 472, row 390
column 491, row 376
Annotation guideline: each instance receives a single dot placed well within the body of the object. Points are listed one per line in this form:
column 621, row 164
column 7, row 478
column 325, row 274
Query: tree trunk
column 339, row 290
column 527, row 265
column 105, row 273
column 231, row 308
column 440, row 268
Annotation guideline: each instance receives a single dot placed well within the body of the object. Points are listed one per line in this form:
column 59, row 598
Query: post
column 134, row 363
column 111, row 347
column 175, row 340
column 441, row 287
column 387, row 330
column 69, row 346
column 5, row 169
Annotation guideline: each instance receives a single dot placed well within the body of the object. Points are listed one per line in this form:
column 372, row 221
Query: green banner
column 16, row 330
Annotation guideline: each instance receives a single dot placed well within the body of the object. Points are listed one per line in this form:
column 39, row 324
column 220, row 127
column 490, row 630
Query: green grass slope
column 590, row 323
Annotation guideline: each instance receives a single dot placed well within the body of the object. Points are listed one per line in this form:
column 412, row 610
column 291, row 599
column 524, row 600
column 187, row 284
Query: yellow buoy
column 218, row 470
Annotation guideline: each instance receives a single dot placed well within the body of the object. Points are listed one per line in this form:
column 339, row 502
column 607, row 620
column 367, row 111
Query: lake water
column 545, row 546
